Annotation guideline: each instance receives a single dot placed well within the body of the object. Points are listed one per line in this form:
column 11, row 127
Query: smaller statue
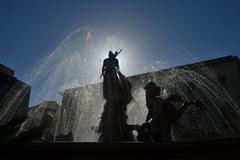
column 161, row 115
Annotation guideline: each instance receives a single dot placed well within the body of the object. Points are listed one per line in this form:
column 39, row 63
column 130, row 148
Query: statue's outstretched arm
column 181, row 110
column 169, row 99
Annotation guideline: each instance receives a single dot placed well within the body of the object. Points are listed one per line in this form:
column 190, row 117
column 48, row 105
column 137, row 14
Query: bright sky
column 156, row 29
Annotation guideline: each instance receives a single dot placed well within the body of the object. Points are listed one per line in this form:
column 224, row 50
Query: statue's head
column 152, row 89
column 110, row 54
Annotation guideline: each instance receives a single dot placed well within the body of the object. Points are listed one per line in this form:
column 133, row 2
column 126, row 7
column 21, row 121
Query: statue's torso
column 111, row 65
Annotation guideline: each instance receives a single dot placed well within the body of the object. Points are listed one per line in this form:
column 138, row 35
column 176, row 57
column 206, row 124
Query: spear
column 117, row 53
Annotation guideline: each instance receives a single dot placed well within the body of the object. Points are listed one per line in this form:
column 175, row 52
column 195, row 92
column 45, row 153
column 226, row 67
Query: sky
column 31, row 29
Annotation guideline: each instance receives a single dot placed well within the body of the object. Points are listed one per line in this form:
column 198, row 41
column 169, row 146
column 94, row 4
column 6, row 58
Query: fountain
column 219, row 119
column 72, row 69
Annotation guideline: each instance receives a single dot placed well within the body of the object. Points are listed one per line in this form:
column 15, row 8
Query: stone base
column 213, row 149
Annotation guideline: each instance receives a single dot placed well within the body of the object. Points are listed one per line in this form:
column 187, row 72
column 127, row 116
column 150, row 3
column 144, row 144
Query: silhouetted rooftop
column 6, row 70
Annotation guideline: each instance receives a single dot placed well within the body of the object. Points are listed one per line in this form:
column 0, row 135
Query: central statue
column 117, row 92
column 110, row 70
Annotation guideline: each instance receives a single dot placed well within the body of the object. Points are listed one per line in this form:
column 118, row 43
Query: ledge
column 211, row 149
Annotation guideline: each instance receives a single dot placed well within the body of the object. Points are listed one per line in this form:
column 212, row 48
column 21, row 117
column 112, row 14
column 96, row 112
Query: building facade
column 14, row 97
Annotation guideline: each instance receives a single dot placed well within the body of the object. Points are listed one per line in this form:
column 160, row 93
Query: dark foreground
column 214, row 149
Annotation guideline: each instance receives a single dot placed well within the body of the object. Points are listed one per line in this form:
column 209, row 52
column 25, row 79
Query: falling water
column 74, row 62
column 219, row 118
column 11, row 102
